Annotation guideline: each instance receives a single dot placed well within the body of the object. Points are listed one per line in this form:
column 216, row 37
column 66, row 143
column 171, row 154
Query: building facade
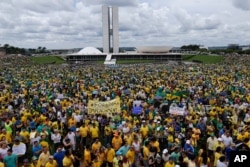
column 110, row 28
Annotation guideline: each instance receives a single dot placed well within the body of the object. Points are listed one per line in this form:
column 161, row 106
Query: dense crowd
column 45, row 121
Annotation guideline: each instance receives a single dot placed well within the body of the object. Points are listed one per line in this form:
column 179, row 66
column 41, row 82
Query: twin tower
column 110, row 28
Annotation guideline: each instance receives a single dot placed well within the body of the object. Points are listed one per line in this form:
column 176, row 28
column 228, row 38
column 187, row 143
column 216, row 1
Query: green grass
column 48, row 60
column 207, row 59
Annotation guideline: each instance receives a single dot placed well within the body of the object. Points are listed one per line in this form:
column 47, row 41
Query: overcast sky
column 77, row 23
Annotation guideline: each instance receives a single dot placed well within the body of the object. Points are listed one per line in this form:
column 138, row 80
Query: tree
column 190, row 47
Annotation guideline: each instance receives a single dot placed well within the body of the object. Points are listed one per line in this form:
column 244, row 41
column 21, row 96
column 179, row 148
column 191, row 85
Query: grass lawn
column 48, row 60
column 207, row 59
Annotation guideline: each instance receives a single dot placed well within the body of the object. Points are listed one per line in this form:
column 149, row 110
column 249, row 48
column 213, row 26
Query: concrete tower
column 110, row 29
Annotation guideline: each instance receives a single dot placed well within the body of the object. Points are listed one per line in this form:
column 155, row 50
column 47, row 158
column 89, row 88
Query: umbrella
column 157, row 98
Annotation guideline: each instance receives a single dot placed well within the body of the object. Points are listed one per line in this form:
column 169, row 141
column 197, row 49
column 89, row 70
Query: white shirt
column 227, row 140
column 136, row 146
column 19, row 149
column 3, row 152
column 220, row 164
column 56, row 137
column 71, row 137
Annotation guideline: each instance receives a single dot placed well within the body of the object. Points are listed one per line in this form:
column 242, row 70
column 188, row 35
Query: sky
column 64, row 24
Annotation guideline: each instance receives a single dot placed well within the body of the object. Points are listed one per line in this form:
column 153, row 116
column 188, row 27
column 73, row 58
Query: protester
column 144, row 111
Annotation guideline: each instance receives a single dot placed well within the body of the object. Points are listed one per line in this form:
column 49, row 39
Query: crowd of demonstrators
column 45, row 120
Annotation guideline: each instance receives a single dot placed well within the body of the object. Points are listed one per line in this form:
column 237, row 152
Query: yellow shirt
column 156, row 145
column 44, row 158
column 144, row 131
column 216, row 157
column 94, row 132
column 107, row 130
column 116, row 143
column 97, row 164
column 169, row 165
column 217, row 144
column 51, row 164
column 110, row 155
column 67, row 161
column 25, row 135
column 145, row 153
column 87, row 158
column 128, row 138
column 131, row 156
column 96, row 146
column 1, row 164
column 84, row 131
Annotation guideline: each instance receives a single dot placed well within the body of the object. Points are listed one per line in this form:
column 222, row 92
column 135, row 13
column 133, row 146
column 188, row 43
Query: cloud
column 77, row 23
column 111, row 2
column 195, row 21
column 242, row 4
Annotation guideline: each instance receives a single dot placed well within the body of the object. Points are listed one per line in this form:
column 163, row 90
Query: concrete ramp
column 108, row 57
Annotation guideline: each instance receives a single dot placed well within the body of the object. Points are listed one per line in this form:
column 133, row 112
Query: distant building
column 156, row 53
column 110, row 29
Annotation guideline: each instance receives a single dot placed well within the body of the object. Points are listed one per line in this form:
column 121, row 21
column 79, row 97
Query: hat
column 155, row 120
column 220, row 139
column 188, row 142
column 26, row 161
column 158, row 129
column 108, row 145
column 158, row 122
column 77, row 129
column 143, row 121
column 165, row 151
column 51, row 157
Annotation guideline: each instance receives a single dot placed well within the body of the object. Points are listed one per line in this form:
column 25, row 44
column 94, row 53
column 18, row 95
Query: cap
column 158, row 122
column 155, row 120
column 108, row 145
column 220, row 139
column 26, row 161
column 158, row 129
column 143, row 121
column 165, row 151
column 77, row 129
column 51, row 157
column 188, row 142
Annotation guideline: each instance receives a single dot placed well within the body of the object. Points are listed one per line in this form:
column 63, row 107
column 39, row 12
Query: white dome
column 89, row 51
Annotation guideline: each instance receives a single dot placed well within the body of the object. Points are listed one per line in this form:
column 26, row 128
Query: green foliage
column 190, row 47
column 48, row 60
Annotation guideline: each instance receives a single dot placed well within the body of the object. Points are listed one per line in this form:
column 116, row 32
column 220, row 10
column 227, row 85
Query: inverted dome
column 153, row 49
column 89, row 51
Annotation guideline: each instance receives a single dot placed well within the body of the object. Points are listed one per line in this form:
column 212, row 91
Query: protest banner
column 176, row 110
column 104, row 107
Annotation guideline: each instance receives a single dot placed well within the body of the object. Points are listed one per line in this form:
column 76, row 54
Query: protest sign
column 104, row 107
column 176, row 110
